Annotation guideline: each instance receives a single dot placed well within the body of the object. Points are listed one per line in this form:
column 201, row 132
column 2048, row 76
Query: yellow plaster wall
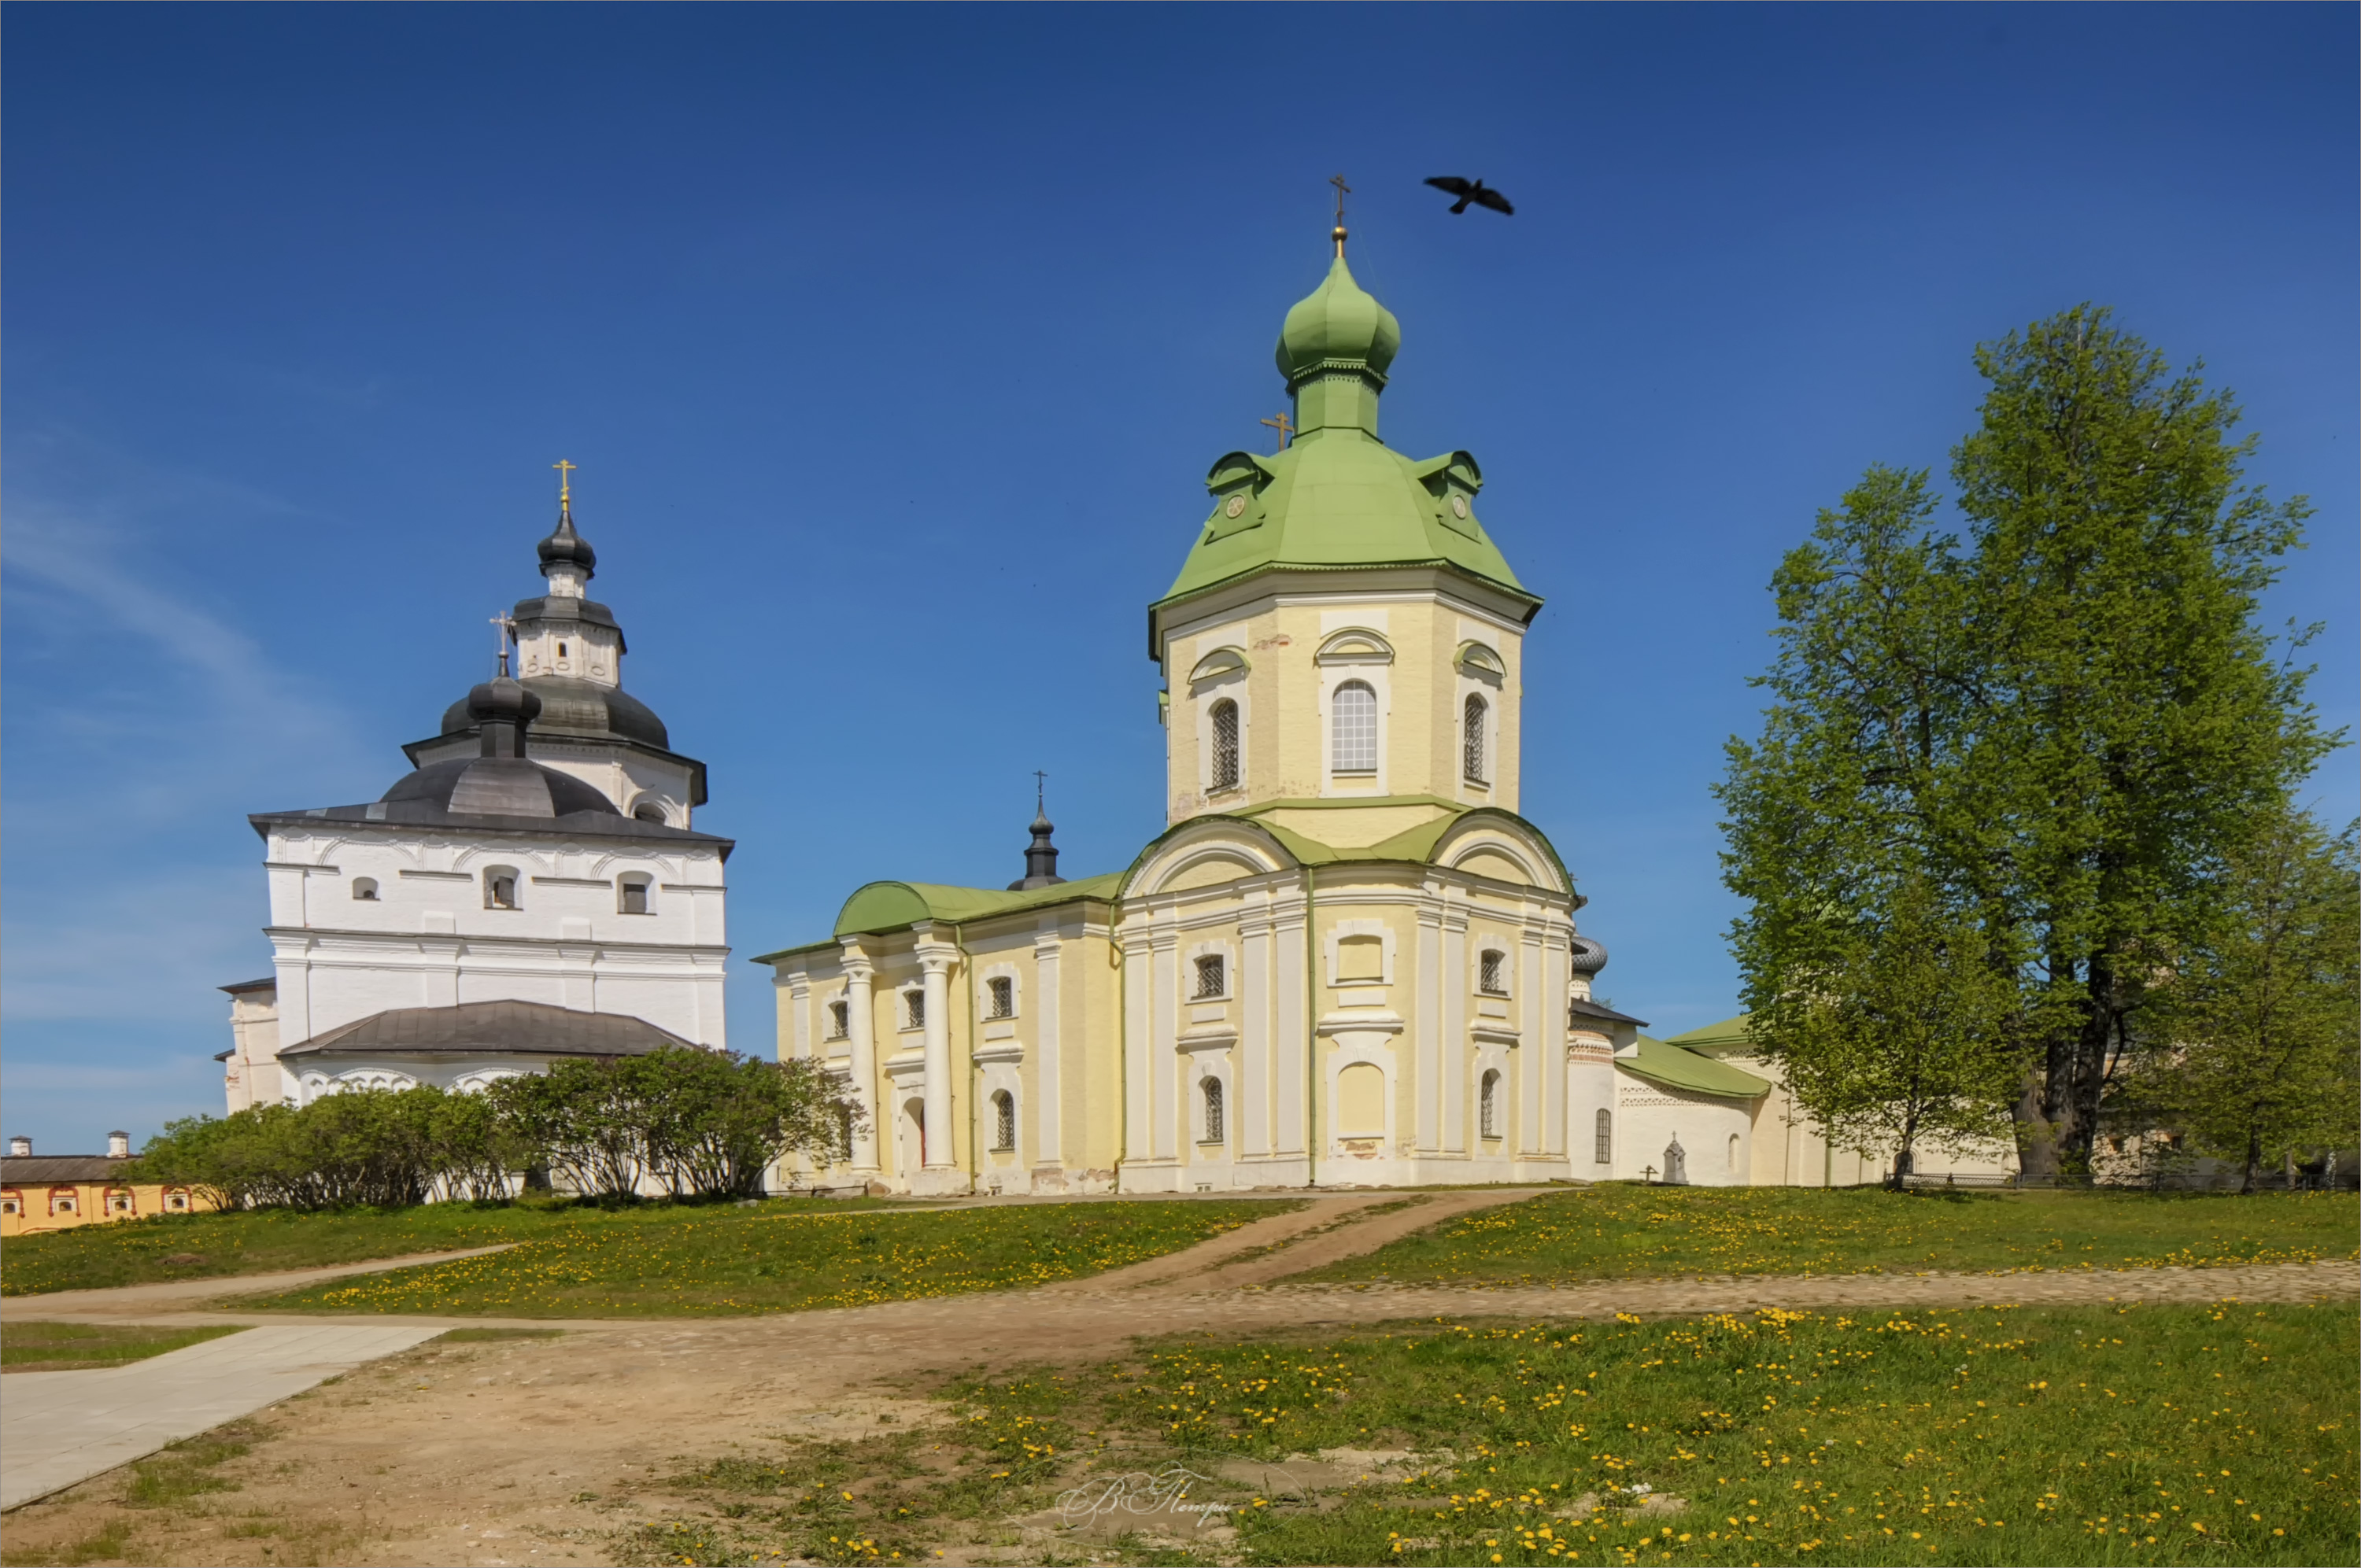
column 24, row 1206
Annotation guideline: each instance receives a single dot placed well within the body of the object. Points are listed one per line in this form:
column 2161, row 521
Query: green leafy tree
column 1895, row 1038
column 2259, row 1032
column 2067, row 720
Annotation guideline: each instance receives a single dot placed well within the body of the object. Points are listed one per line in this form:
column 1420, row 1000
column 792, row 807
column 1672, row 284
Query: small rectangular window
column 500, row 890
column 840, row 1019
column 635, row 896
column 1212, row 978
column 1491, row 973
column 1603, row 1146
column 1000, row 994
column 914, row 1006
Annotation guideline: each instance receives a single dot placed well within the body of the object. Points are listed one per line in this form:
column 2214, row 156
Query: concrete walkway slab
column 59, row 1428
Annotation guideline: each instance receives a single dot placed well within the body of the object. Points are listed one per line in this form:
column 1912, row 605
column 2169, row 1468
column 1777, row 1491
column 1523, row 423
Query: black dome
column 574, row 707
column 500, row 786
column 567, row 546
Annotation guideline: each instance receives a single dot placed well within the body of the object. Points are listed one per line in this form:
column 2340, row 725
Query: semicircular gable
column 1488, row 842
column 880, row 907
column 1202, row 852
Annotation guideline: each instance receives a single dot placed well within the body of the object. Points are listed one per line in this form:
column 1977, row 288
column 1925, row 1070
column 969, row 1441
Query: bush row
column 687, row 1122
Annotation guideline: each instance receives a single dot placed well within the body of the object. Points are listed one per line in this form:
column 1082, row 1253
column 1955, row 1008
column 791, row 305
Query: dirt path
column 535, row 1451
column 137, row 1301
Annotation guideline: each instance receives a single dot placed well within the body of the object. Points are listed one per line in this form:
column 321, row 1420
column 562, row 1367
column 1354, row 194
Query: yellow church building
column 1347, row 960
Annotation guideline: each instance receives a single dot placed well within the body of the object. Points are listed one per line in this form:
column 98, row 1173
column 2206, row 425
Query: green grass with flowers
column 210, row 1246
column 1621, row 1232
column 2221, row 1434
column 777, row 1258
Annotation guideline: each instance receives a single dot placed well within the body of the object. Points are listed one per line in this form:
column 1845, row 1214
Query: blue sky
column 893, row 343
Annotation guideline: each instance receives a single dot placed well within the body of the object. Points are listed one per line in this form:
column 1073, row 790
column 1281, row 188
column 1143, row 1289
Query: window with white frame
column 840, row 1018
column 1492, row 972
column 1603, row 1149
column 1004, row 1121
column 500, row 888
column 1224, row 773
column 1212, row 978
column 1487, row 1106
column 1000, row 997
column 914, row 1009
column 1353, row 718
column 1471, row 750
column 364, row 889
column 632, row 894
column 1212, row 1099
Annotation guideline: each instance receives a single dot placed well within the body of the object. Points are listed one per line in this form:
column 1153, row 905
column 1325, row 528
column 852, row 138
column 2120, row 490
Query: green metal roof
column 1661, row 1061
column 1338, row 496
column 1728, row 1034
column 895, row 905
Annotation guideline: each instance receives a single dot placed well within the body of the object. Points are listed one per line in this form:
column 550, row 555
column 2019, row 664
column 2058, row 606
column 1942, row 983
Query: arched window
column 1471, row 750
column 1492, row 972
column 501, row 887
column 1487, row 1106
column 648, row 814
column 1212, row 978
column 1225, row 717
column 1213, row 1093
column 1000, row 994
column 364, row 889
column 1353, row 711
column 1603, row 1148
column 632, row 894
column 1733, row 1153
column 1004, row 1121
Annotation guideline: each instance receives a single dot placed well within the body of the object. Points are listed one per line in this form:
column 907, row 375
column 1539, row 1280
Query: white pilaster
column 863, row 1021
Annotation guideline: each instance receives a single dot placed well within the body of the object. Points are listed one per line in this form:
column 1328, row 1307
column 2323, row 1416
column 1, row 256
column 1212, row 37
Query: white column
column 1429, row 1047
column 863, row 1018
column 935, row 958
column 1167, row 1067
column 1290, row 1039
column 1139, row 989
column 1533, row 1104
column 1049, row 1093
column 1454, row 986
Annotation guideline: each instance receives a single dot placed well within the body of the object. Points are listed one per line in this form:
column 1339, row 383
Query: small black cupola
column 505, row 709
column 565, row 550
column 1041, row 855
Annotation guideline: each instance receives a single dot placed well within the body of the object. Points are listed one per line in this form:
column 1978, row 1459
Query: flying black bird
column 1474, row 190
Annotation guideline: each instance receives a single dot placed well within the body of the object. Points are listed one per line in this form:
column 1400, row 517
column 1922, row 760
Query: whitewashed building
column 531, row 890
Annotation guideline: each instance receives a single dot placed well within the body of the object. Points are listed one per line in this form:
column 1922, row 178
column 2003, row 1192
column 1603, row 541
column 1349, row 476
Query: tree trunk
column 2254, row 1158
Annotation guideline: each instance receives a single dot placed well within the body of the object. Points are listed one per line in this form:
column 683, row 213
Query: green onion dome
column 1337, row 324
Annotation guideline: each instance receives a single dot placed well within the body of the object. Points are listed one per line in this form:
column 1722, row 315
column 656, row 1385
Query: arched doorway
column 911, row 1136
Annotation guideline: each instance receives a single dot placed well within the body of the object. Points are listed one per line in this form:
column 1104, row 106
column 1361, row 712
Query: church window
column 501, row 887
column 561, row 650
column 1212, row 978
column 1734, row 1147
column 1471, row 762
column 648, row 813
column 1603, row 1149
column 1492, row 972
column 1487, row 1106
column 631, row 895
column 1225, row 745
column 840, row 1019
column 1000, row 994
column 11, row 1203
column 1004, row 1121
column 121, row 1202
column 1212, row 1096
column 62, row 1200
column 1355, row 722
column 914, row 1009
column 177, row 1200
column 364, row 889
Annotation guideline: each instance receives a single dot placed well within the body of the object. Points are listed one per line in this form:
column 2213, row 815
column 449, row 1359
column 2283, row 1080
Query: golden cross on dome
column 1342, row 190
column 565, row 475
column 1282, row 425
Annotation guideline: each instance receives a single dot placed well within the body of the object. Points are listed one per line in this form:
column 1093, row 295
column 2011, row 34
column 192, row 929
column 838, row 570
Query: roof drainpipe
column 1311, row 1026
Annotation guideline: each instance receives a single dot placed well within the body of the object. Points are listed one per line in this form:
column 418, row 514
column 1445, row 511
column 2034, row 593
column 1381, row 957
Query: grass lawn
column 2220, row 1434
column 1611, row 1232
column 70, row 1347
column 781, row 1259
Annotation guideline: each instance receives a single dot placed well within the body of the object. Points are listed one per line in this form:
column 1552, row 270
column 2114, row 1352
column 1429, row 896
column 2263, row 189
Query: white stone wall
column 1716, row 1132
column 427, row 938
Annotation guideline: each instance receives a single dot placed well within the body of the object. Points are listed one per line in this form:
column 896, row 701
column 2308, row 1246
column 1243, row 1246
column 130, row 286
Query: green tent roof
column 1661, row 1061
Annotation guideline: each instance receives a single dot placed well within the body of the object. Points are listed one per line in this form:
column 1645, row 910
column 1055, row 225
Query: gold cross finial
column 1342, row 190
column 1282, row 425
column 565, row 477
